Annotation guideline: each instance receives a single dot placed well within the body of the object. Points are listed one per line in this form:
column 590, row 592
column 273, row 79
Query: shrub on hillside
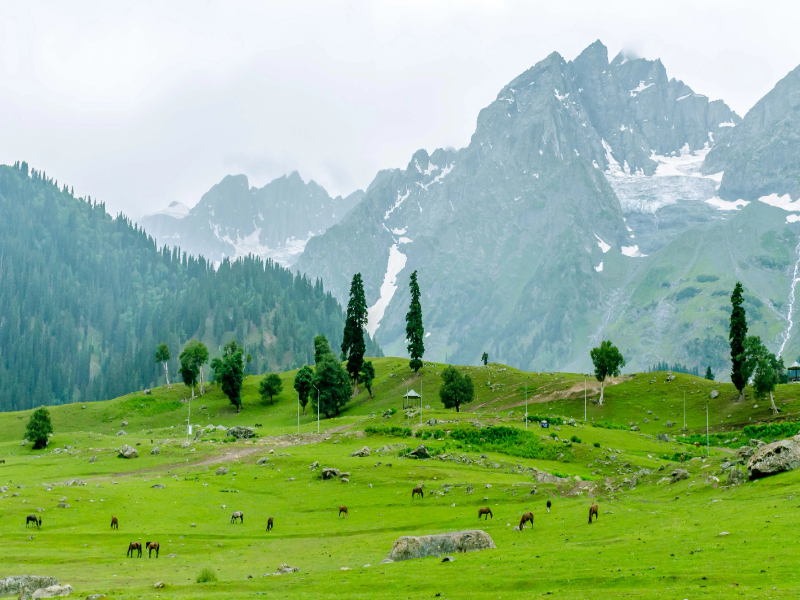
column 393, row 431
column 206, row 576
column 607, row 425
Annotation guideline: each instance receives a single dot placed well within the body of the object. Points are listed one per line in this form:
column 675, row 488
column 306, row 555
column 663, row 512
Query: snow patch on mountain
column 784, row 202
column 397, row 261
column 725, row 204
column 177, row 210
column 632, row 252
column 603, row 246
column 599, row 268
column 398, row 202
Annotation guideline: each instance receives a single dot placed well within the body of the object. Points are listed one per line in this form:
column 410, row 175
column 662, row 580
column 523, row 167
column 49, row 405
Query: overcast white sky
column 142, row 103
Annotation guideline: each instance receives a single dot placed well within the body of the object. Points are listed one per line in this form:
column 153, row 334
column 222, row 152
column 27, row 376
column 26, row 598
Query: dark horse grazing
column 134, row 546
column 417, row 490
column 32, row 519
column 526, row 518
column 485, row 511
column 114, row 522
column 548, row 507
column 269, row 524
column 237, row 515
column 343, row 509
column 150, row 547
column 593, row 511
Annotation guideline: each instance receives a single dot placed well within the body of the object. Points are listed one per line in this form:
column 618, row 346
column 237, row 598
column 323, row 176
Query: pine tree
column 353, row 347
column 737, row 338
column 485, row 359
column 415, row 332
column 709, row 374
column 39, row 428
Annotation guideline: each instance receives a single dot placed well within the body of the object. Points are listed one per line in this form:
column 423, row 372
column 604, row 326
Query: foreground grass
column 674, row 528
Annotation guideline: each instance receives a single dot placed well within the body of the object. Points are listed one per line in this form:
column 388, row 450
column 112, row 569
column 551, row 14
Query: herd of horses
column 238, row 516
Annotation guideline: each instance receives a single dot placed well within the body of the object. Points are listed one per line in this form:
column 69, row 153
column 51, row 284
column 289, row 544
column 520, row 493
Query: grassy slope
column 562, row 554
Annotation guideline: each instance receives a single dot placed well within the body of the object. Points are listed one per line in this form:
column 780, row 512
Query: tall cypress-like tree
column 353, row 347
column 415, row 332
column 737, row 337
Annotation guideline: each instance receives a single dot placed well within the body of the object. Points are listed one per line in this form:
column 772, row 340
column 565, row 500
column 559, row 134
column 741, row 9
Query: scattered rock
column 669, row 424
column 285, row 569
column 128, row 452
column 314, row 465
column 241, row 433
column 679, row 475
column 662, row 437
column 222, row 471
column 172, row 555
column 95, row 596
column 362, row 453
column 744, row 452
column 24, row 584
column 262, row 461
column 420, row 451
column 736, row 476
column 774, row 458
column 386, row 561
column 516, row 528
column 121, row 432
column 52, row 591
column 158, row 486
column 451, row 559
column 156, row 450
column 330, row 473
column 757, row 443
column 635, row 428
column 185, row 444
column 408, row 547
column 345, row 480
column 714, row 394
column 432, row 422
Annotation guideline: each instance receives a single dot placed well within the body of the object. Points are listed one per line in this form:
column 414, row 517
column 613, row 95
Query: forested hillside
column 85, row 298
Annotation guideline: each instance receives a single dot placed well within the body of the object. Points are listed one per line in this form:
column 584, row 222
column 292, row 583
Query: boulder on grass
column 679, row 475
column 128, row 452
column 362, row 453
column 285, row 569
column 155, row 451
column 776, row 457
column 330, row 473
column 419, row 452
column 52, row 591
column 241, row 433
column 222, row 471
column 408, row 547
column 735, row 477
column 24, row 584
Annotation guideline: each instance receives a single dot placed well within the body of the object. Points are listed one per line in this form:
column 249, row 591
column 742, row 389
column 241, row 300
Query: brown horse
column 150, row 547
column 32, row 519
column 132, row 547
column 485, row 511
column 269, row 524
column 593, row 511
column 526, row 518
column 114, row 522
column 237, row 515
column 343, row 509
column 417, row 490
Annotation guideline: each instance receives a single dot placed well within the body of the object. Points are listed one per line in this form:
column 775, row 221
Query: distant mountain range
column 597, row 199
column 232, row 219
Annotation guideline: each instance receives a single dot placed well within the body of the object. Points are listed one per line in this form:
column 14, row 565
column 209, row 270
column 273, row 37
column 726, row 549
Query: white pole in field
column 316, row 388
column 708, row 451
column 584, row 399
column 526, row 406
column 420, row 398
column 298, row 413
column 684, row 409
column 189, row 422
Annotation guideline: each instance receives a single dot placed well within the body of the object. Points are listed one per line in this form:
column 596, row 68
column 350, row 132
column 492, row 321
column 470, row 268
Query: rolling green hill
column 653, row 539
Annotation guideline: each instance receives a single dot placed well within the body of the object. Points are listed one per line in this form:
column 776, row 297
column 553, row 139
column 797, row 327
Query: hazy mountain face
column 232, row 219
column 583, row 187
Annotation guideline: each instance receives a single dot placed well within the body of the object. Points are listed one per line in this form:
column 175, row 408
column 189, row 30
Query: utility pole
column 526, row 406
column 708, row 451
column 684, row 410
column 584, row 399
column 298, row 413
column 189, row 422
column 420, row 398
column 316, row 388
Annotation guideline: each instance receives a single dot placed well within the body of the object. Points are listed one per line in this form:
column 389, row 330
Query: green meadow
column 654, row 539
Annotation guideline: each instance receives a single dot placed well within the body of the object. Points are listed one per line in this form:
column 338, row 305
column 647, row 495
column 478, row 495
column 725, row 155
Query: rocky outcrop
column 222, row 471
column 735, row 477
column 285, row 569
column 155, row 451
column 128, row 452
column 362, row 453
column 330, row 473
column 408, row 547
column 241, row 433
column 776, row 457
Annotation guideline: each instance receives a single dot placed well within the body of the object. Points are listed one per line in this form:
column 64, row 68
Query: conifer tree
column 353, row 347
column 709, row 374
column 39, row 428
column 368, row 375
column 737, row 337
column 415, row 332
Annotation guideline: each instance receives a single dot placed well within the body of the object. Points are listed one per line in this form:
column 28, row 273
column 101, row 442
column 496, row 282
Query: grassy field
column 655, row 540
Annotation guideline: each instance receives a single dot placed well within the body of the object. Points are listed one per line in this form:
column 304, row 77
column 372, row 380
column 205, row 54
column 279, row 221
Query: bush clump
column 597, row 444
column 607, row 425
column 206, row 576
column 392, row 431
column 575, row 439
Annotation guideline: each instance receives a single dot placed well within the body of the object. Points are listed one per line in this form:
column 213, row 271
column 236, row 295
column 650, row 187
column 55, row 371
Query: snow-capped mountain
column 232, row 219
column 584, row 206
